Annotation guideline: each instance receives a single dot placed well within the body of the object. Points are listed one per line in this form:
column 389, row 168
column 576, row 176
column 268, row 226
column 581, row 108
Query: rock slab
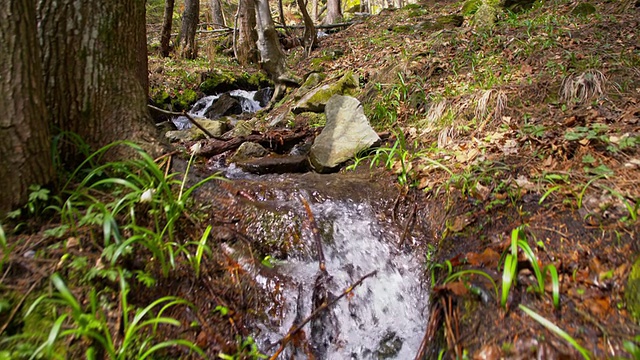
column 347, row 132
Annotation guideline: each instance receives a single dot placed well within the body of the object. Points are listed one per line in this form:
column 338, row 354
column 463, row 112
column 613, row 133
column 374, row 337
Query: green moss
column 402, row 29
column 632, row 291
column 470, row 7
column 184, row 100
column 160, row 96
column 583, row 9
column 312, row 119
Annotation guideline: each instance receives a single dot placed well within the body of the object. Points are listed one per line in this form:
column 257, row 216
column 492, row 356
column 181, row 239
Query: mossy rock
column 584, row 9
column 402, row 29
column 316, row 99
column 632, row 291
column 470, row 7
column 216, row 82
column 486, row 16
column 313, row 80
column 160, row 96
column 442, row 22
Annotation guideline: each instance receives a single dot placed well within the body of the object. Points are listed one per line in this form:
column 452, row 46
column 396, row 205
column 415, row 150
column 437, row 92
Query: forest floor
column 528, row 130
column 531, row 124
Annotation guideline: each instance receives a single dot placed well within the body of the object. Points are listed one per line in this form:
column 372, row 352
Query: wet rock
column 263, row 96
column 632, row 291
column 346, row 133
column 316, row 100
column 249, row 150
column 274, row 164
column 389, row 347
column 215, row 127
column 225, row 105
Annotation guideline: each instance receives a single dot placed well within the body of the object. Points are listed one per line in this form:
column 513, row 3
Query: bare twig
column 287, row 338
column 15, row 309
column 191, row 120
column 316, row 235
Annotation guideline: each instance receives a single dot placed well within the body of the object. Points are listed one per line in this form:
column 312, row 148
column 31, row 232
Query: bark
column 272, row 58
column 247, row 35
column 95, row 71
column 314, row 10
column 25, row 151
column 216, row 14
column 334, row 12
column 167, row 22
column 190, row 17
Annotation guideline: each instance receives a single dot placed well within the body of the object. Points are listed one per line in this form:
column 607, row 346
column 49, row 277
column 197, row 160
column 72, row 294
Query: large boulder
column 316, row 99
column 346, row 133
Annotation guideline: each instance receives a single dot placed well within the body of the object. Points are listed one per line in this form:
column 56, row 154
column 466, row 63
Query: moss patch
column 632, row 291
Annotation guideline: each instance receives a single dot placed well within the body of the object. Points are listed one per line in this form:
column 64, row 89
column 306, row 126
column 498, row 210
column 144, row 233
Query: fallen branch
column 272, row 140
column 287, row 338
column 191, row 120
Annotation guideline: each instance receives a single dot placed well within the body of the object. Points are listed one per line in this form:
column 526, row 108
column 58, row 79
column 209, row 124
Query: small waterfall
column 383, row 318
column 200, row 108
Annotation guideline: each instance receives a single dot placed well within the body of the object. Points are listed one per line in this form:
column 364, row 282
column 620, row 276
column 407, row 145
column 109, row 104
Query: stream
column 383, row 318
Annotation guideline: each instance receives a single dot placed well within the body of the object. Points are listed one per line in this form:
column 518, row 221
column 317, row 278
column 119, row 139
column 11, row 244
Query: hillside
column 531, row 124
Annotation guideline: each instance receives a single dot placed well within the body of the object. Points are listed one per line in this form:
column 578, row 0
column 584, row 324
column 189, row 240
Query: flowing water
column 384, row 317
column 246, row 98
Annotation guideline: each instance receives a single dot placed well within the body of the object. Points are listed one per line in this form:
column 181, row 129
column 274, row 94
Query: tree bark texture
column 271, row 56
column 167, row 22
column 216, row 14
column 95, row 71
column 25, row 151
column 190, row 17
column 247, row 35
column 334, row 12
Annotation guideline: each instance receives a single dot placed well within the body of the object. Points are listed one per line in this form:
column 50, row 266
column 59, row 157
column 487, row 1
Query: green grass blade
column 555, row 329
column 179, row 342
column 202, row 245
column 508, row 275
column 472, row 271
column 534, row 263
column 555, row 284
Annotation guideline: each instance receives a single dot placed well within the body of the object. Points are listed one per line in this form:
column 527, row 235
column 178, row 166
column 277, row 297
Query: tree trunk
column 310, row 36
column 271, row 55
column 247, row 35
column 190, row 17
column 334, row 12
column 216, row 14
column 95, row 71
column 25, row 151
column 314, row 10
column 167, row 22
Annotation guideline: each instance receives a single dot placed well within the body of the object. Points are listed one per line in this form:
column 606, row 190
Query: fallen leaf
column 460, row 222
column 488, row 258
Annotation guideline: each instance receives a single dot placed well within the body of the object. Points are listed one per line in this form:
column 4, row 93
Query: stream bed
column 383, row 318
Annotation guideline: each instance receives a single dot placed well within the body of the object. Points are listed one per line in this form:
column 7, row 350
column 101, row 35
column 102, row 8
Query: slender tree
column 217, row 16
column 334, row 12
column 245, row 47
column 190, row 17
column 310, row 36
column 167, row 22
column 25, row 156
column 272, row 59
